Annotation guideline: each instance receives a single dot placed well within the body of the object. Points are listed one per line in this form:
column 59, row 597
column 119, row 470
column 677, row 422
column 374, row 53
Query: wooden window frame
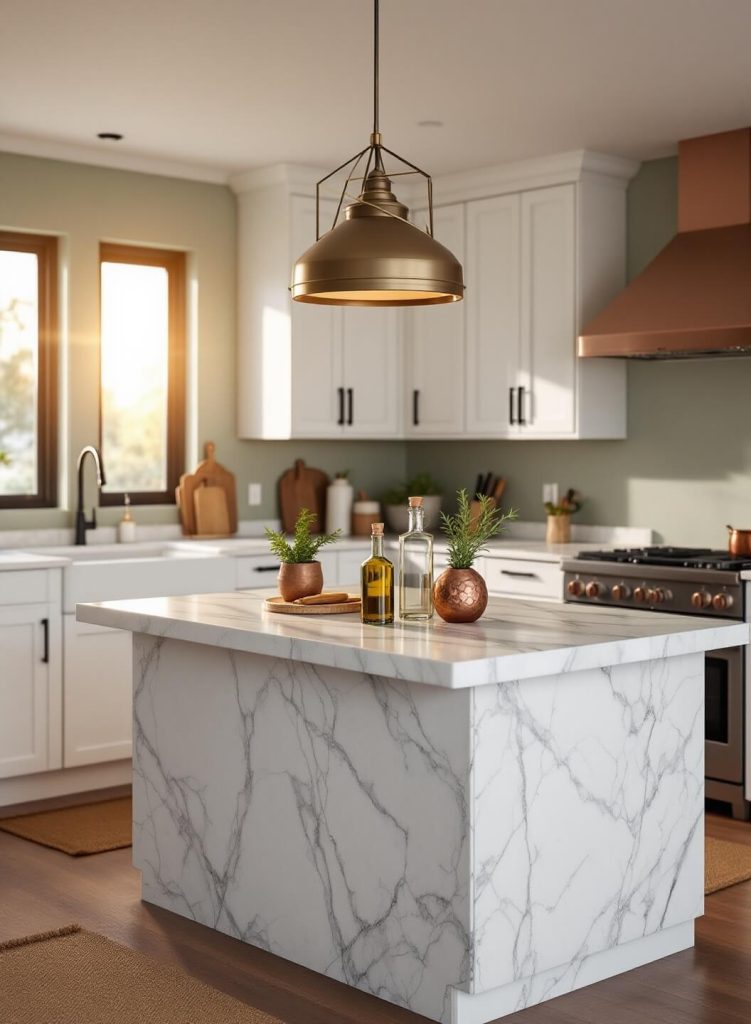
column 45, row 249
column 174, row 263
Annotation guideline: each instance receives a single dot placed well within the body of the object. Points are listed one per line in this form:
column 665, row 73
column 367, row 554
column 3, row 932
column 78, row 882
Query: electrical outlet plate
column 254, row 494
column 550, row 493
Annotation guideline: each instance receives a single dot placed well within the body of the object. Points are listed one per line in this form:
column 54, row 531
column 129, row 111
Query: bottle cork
column 376, row 529
column 415, row 502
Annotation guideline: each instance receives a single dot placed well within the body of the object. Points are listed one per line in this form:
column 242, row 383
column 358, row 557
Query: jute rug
column 725, row 864
column 87, row 828
column 77, row 977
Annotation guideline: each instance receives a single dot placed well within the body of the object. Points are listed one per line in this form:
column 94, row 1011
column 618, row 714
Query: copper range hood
column 694, row 298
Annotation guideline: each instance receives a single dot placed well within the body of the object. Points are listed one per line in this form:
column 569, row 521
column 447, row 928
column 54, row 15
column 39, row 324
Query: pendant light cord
column 375, row 66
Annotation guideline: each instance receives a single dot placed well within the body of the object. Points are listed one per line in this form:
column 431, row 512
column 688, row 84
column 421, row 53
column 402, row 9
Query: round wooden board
column 278, row 604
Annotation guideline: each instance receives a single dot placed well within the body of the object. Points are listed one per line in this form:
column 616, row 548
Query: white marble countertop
column 514, row 639
column 12, row 560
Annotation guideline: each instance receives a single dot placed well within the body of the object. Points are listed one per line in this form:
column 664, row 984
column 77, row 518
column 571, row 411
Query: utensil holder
column 559, row 530
column 475, row 508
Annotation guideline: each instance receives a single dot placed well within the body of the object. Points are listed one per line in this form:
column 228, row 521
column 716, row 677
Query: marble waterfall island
column 463, row 820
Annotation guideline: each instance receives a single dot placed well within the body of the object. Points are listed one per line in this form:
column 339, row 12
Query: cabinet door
column 372, row 382
column 435, row 347
column 25, row 695
column 492, row 316
column 98, row 698
column 316, row 369
column 548, row 311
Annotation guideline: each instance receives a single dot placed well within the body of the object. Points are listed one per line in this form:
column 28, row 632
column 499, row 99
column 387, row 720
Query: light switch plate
column 550, row 493
column 254, row 494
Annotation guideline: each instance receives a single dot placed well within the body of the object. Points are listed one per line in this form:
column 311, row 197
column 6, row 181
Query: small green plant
column 571, row 502
column 469, row 534
column 421, row 483
column 304, row 546
column 4, row 459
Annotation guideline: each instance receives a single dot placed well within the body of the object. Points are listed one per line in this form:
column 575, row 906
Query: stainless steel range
column 686, row 581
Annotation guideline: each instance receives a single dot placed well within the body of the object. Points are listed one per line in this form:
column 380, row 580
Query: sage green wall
column 684, row 470
column 85, row 205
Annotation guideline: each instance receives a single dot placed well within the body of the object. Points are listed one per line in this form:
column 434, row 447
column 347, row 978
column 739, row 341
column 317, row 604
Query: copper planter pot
column 460, row 595
column 300, row 579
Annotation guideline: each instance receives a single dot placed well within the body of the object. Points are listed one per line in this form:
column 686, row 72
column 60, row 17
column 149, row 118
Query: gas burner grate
column 689, row 558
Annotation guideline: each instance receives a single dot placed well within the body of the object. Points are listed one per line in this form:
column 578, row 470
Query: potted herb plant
column 300, row 574
column 559, row 517
column 395, row 502
column 460, row 593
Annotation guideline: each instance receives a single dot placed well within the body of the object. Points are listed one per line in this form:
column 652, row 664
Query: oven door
column 723, row 715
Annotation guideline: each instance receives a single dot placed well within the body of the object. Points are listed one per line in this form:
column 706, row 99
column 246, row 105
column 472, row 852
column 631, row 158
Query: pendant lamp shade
column 374, row 256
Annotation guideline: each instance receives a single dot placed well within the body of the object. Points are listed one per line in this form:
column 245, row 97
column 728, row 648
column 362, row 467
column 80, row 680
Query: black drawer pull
column 511, row 419
column 520, row 404
column 350, row 406
column 416, row 408
column 46, row 634
column 266, row 568
column 340, row 393
column 524, row 575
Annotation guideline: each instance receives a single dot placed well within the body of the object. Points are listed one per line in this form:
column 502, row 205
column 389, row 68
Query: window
column 142, row 373
column 28, row 370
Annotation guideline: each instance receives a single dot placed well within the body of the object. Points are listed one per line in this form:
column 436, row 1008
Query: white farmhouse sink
column 109, row 572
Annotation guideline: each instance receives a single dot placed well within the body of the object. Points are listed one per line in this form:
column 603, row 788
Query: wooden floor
column 42, row 889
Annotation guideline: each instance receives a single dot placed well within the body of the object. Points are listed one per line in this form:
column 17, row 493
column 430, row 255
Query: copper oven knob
column 575, row 587
column 593, row 589
column 620, row 592
column 640, row 594
column 721, row 602
column 701, row 599
column 655, row 595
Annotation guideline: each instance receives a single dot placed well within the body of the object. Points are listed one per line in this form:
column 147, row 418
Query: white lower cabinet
column 525, row 578
column 98, row 669
column 30, row 672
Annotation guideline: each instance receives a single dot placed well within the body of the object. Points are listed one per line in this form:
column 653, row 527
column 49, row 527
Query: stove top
column 688, row 558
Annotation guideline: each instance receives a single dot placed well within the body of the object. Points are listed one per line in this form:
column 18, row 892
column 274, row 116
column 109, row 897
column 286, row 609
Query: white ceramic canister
column 339, row 497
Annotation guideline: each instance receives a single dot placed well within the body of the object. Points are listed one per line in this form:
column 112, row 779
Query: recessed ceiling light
column 109, row 136
column 430, row 124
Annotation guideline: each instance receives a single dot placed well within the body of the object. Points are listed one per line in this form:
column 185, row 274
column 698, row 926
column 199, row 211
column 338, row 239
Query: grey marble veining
column 462, row 853
column 514, row 640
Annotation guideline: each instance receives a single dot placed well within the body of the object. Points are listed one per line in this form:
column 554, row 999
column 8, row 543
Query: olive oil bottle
column 377, row 576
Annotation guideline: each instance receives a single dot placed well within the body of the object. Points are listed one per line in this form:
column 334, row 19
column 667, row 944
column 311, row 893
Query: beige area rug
column 86, row 828
column 77, row 977
column 725, row 864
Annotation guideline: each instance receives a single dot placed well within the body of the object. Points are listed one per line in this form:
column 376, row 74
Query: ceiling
column 227, row 85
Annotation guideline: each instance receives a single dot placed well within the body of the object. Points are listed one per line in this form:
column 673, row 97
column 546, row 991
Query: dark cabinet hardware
column 511, row 419
column 416, row 408
column 267, row 568
column 524, row 575
column 340, row 395
column 46, row 635
column 350, row 407
column 520, row 406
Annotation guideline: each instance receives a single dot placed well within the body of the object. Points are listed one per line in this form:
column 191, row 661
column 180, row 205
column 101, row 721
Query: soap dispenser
column 126, row 528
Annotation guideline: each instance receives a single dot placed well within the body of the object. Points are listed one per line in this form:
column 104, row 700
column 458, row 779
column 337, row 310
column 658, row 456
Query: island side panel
column 588, row 803
column 318, row 813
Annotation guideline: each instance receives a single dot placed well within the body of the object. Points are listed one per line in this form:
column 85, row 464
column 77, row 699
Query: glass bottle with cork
column 377, row 577
column 416, row 566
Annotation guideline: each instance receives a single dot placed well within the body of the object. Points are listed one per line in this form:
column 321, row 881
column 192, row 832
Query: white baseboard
column 43, row 785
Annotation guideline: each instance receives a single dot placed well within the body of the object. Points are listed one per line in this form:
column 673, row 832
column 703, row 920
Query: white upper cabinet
column 434, row 347
column 543, row 244
column 305, row 370
column 493, row 315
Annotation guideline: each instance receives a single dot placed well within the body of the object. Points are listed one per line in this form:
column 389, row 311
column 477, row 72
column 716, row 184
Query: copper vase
column 460, row 595
column 300, row 579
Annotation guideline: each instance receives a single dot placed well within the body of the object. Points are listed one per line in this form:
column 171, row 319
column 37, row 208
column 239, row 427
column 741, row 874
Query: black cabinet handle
column 511, row 419
column 525, row 575
column 267, row 568
column 46, row 634
column 520, row 403
column 416, row 408
column 350, row 407
column 340, row 394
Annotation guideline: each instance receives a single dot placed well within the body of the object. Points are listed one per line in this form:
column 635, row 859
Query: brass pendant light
column 374, row 256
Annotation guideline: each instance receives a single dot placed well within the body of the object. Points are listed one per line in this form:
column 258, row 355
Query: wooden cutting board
column 207, row 499
column 302, row 487
column 278, row 604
